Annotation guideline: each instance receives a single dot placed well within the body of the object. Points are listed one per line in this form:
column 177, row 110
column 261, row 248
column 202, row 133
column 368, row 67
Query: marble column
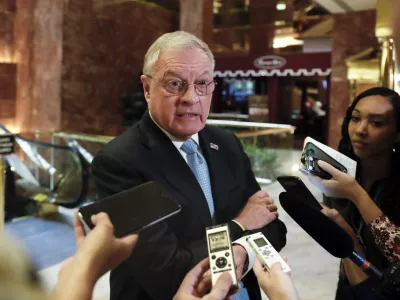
column 7, row 66
column 103, row 51
column 6, row 31
column 262, row 17
column 38, row 52
column 196, row 17
column 384, row 33
column 352, row 33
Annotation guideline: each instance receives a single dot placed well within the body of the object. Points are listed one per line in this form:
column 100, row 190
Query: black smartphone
column 133, row 210
column 294, row 185
column 309, row 159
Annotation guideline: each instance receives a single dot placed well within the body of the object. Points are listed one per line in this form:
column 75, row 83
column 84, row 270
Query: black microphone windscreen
column 321, row 228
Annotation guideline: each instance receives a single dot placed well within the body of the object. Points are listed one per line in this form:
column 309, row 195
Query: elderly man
column 204, row 167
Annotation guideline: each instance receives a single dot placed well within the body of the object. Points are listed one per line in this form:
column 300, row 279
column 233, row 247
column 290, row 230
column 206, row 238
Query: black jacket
column 167, row 251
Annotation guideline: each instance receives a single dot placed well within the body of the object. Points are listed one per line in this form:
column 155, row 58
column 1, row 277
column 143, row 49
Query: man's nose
column 190, row 96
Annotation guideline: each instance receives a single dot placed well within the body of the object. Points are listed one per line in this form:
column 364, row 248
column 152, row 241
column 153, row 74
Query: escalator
column 42, row 171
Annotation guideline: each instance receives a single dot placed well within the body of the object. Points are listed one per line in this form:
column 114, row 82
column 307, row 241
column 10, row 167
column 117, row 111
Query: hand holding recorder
column 275, row 283
column 195, row 285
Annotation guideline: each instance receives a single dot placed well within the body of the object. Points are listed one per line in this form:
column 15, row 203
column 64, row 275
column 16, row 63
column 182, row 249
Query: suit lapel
column 219, row 166
column 169, row 163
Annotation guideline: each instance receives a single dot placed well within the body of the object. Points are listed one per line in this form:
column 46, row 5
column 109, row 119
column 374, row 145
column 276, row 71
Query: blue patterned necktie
column 199, row 167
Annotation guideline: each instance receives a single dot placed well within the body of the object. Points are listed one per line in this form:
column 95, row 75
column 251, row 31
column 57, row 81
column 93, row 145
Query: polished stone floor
column 314, row 271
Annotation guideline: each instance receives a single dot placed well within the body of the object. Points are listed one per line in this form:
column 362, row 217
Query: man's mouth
column 188, row 115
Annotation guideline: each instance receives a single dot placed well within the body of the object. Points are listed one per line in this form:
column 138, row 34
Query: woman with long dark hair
column 368, row 205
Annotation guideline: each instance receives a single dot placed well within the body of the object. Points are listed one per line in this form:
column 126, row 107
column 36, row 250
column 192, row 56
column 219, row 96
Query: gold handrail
column 258, row 129
column 85, row 137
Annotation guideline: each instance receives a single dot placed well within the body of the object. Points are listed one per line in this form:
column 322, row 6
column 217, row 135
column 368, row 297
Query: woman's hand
column 275, row 283
column 341, row 185
column 197, row 283
column 336, row 217
column 99, row 251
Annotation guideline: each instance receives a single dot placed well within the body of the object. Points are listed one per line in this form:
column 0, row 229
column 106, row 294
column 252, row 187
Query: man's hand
column 259, row 211
column 275, row 283
column 196, row 284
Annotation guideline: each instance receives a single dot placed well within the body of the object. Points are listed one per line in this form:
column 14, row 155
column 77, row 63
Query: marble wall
column 352, row 33
column 8, row 73
column 103, row 51
column 196, row 17
column 7, row 10
column 7, row 68
column 38, row 53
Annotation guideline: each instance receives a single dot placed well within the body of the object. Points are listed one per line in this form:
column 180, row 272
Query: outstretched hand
column 97, row 253
column 196, row 284
column 275, row 283
column 341, row 185
column 100, row 251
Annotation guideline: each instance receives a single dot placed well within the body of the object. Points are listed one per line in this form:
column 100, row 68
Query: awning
column 298, row 64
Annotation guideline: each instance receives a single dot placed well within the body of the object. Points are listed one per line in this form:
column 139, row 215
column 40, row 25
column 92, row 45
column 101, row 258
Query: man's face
column 182, row 114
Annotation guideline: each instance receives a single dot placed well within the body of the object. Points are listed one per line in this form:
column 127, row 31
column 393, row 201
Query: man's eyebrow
column 205, row 73
column 172, row 73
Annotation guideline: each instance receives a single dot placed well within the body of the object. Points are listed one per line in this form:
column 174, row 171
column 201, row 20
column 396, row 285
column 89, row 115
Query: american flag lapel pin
column 214, row 146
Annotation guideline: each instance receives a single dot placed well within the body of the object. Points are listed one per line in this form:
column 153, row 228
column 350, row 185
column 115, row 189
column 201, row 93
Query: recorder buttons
column 227, row 254
column 213, row 257
column 221, row 262
column 267, row 253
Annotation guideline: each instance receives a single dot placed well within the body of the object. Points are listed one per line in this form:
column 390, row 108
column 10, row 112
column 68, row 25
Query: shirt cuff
column 250, row 253
column 240, row 225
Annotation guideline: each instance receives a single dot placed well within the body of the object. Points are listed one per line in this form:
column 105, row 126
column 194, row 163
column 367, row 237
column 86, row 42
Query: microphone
column 326, row 232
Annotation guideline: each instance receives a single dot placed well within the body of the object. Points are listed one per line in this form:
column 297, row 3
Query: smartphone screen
column 294, row 185
column 133, row 209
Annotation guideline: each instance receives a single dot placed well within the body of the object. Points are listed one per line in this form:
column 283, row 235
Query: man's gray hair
column 177, row 40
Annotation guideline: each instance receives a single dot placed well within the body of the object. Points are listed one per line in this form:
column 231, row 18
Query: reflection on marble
column 103, row 53
column 352, row 33
column 38, row 41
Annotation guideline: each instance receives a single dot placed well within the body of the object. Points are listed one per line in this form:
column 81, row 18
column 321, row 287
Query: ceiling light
column 281, row 6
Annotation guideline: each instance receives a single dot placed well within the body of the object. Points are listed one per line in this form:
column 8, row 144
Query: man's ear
column 146, row 86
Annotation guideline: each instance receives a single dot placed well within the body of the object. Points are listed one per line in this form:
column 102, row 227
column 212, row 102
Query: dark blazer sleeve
column 159, row 256
column 275, row 231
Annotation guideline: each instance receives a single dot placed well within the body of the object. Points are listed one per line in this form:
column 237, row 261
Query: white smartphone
column 265, row 251
column 220, row 253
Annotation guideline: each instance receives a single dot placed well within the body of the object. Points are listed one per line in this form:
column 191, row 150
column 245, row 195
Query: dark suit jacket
column 166, row 251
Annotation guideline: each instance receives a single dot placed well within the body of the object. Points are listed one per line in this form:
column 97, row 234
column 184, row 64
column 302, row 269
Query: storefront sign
column 268, row 62
column 7, row 143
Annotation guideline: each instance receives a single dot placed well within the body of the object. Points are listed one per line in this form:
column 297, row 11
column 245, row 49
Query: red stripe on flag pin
column 214, row 146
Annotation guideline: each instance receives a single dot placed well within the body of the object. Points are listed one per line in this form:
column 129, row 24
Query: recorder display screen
column 218, row 241
column 261, row 242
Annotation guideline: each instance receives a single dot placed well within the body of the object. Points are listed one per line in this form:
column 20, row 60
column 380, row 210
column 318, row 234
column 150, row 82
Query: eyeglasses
column 179, row 87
